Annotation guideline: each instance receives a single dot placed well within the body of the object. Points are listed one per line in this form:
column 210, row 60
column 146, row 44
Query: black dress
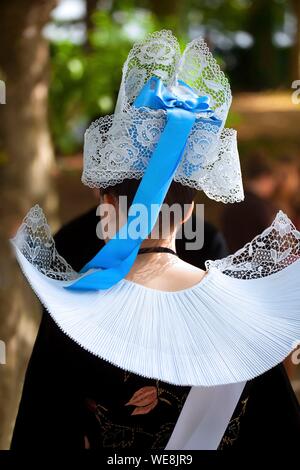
column 74, row 400
column 255, row 212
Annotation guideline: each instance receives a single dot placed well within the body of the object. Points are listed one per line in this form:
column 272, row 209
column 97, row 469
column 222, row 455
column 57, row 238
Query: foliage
column 86, row 77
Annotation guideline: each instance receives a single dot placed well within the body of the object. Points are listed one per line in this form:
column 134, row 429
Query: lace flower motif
column 36, row 243
column 271, row 251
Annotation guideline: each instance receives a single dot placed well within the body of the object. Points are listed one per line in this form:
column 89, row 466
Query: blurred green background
column 61, row 62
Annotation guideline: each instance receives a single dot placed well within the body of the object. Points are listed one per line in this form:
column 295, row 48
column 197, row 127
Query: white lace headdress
column 119, row 146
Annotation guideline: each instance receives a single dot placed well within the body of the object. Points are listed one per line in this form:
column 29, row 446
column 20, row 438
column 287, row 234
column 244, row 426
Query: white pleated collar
column 239, row 321
column 222, row 330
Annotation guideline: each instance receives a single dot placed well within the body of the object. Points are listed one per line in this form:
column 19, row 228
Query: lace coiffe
column 119, row 146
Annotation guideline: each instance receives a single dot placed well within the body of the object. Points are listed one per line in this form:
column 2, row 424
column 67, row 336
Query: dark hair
column 177, row 193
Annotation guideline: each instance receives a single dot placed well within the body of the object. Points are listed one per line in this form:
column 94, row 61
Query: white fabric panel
column 205, row 417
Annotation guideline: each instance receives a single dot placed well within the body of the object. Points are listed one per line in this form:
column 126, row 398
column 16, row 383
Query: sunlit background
column 61, row 62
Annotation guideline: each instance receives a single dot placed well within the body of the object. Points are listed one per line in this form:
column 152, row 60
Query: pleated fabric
column 242, row 319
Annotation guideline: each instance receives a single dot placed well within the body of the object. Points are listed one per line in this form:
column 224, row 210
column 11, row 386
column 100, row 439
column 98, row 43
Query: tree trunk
column 261, row 65
column 296, row 51
column 91, row 7
column 26, row 165
column 170, row 13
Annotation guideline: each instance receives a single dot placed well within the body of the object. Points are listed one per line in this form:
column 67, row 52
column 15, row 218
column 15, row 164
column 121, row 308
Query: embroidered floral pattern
column 117, row 429
column 234, row 427
column 157, row 51
column 113, row 433
column 144, row 400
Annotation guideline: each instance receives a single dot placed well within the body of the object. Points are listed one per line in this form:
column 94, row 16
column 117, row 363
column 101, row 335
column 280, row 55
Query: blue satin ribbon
column 113, row 262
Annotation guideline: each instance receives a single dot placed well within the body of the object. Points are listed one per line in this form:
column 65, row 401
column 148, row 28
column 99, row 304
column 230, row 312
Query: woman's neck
column 167, row 243
column 148, row 265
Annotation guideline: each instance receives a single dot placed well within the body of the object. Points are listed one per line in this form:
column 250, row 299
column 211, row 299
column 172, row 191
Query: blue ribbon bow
column 156, row 95
column 113, row 262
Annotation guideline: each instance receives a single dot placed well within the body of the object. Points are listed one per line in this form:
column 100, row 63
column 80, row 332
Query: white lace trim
column 269, row 252
column 200, row 70
column 232, row 326
column 119, row 146
column 36, row 243
column 159, row 55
